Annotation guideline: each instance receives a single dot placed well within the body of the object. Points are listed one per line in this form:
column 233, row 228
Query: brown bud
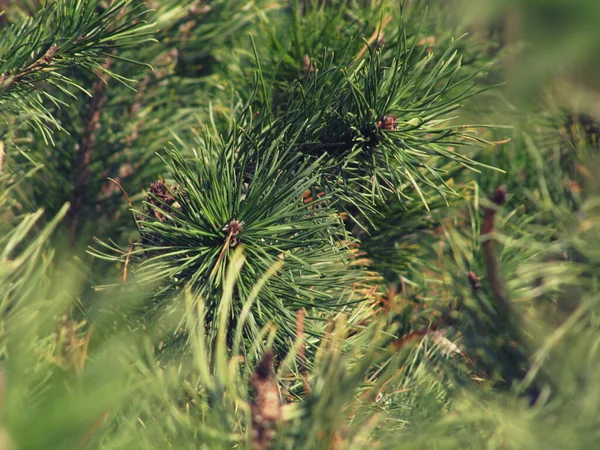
column 307, row 65
column 387, row 122
column 474, row 280
column 499, row 196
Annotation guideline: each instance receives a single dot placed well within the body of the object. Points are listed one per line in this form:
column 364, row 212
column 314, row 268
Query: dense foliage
column 298, row 224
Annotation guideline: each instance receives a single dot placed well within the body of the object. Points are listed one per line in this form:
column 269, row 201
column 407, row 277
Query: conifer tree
column 294, row 224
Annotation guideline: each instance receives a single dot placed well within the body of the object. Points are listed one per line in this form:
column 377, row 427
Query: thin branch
column 489, row 252
column 82, row 443
column 121, row 188
column 233, row 228
column 225, row 247
column 46, row 59
column 302, row 350
column 83, row 157
column 373, row 37
column 127, row 257
column 36, row 66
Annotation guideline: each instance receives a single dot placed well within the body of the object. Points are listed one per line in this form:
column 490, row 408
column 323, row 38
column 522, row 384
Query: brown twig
column 302, row 350
column 83, row 156
column 510, row 315
column 81, row 444
column 233, row 228
column 82, row 357
column 373, row 38
column 121, row 188
column 489, row 252
column 399, row 343
column 43, row 62
column 128, row 255
column 225, row 247
column 266, row 406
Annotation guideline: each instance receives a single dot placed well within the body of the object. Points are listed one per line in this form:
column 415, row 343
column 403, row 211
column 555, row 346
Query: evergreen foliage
column 296, row 224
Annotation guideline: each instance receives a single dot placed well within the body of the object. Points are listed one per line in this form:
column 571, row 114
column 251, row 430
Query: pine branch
column 382, row 125
column 83, row 156
column 223, row 198
column 37, row 53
